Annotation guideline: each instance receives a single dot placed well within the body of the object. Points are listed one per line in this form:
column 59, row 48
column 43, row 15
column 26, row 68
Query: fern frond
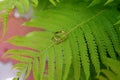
column 23, row 69
column 102, row 78
column 83, row 53
column 31, row 42
column 42, row 65
column 108, row 1
column 22, row 53
column 108, row 43
column 108, row 27
column 54, row 2
column 5, row 21
column 25, row 3
column 73, row 39
column 27, row 73
column 113, row 64
column 7, row 6
column 99, row 40
column 20, row 7
column 51, row 64
column 118, row 22
column 21, row 58
column 94, row 2
column 109, row 74
column 35, row 69
column 19, row 65
column 76, row 63
column 59, row 62
column 92, row 48
column 35, row 2
column 67, row 52
column 114, row 72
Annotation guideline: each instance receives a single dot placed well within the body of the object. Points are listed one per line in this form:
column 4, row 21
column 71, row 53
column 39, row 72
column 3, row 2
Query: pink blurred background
column 14, row 28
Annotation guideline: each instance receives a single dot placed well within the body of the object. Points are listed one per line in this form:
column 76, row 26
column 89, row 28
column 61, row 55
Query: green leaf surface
column 26, row 4
column 85, row 37
column 76, row 63
column 19, row 7
column 36, row 69
column 28, row 71
column 51, row 64
column 35, row 2
column 20, row 58
column 22, row 53
column 59, row 61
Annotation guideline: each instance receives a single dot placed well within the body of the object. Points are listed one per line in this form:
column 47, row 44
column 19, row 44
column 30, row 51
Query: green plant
column 113, row 72
column 81, row 37
column 7, row 5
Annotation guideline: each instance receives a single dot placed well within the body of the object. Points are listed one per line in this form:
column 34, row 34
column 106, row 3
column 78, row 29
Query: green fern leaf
column 23, row 69
column 108, row 27
column 83, row 54
column 108, row 1
column 21, row 58
column 29, row 41
column 54, row 2
column 22, row 53
column 101, row 78
column 51, row 64
column 5, row 16
column 20, row 7
column 65, row 24
column 19, row 65
column 118, row 22
column 26, row 4
column 76, row 58
column 59, row 62
column 67, row 58
column 113, row 73
column 35, row 2
column 113, row 64
column 36, row 68
column 29, row 67
column 92, row 47
column 99, row 40
column 42, row 65
column 5, row 19
column 110, row 75
column 94, row 2
column 108, row 43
